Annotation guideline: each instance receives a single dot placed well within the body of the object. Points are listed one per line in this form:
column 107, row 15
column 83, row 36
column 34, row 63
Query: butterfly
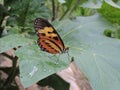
column 49, row 40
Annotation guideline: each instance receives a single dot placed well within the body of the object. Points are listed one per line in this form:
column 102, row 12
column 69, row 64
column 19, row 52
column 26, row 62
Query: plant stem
column 70, row 10
column 53, row 10
column 64, row 14
column 75, row 6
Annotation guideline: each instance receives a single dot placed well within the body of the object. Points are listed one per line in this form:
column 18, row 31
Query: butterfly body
column 49, row 40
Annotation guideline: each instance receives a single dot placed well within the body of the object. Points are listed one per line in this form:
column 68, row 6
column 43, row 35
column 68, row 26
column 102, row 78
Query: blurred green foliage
column 110, row 13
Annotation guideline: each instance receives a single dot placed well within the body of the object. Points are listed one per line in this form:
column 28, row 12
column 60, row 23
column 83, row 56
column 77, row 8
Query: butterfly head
column 66, row 49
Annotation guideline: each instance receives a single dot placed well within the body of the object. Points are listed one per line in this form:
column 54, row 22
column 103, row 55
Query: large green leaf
column 95, row 54
column 36, row 65
column 12, row 41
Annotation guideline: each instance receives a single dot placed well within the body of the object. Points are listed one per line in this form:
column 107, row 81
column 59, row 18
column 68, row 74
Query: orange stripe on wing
column 49, row 46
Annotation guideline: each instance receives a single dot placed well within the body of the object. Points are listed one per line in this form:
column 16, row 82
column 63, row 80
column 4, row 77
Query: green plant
column 95, row 54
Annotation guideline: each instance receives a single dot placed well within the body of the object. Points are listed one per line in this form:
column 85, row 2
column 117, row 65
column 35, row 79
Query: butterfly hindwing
column 49, row 40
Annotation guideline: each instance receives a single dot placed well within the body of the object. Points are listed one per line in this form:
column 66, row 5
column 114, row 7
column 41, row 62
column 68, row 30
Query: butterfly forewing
column 49, row 40
column 49, row 46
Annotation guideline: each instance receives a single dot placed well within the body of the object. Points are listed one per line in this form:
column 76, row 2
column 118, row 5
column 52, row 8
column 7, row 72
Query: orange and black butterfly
column 49, row 40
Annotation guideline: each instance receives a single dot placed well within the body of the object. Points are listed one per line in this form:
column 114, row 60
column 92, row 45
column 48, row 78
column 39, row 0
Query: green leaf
column 92, row 4
column 106, row 11
column 110, row 2
column 13, row 40
column 61, row 1
column 23, row 12
column 96, row 4
column 36, row 65
column 95, row 54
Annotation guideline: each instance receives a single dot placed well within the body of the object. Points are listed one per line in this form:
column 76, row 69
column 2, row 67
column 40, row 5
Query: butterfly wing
column 49, row 40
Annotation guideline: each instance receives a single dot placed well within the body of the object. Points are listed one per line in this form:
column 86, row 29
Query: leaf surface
column 95, row 54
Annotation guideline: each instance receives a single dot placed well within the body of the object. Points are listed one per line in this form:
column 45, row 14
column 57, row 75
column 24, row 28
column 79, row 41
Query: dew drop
column 33, row 71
